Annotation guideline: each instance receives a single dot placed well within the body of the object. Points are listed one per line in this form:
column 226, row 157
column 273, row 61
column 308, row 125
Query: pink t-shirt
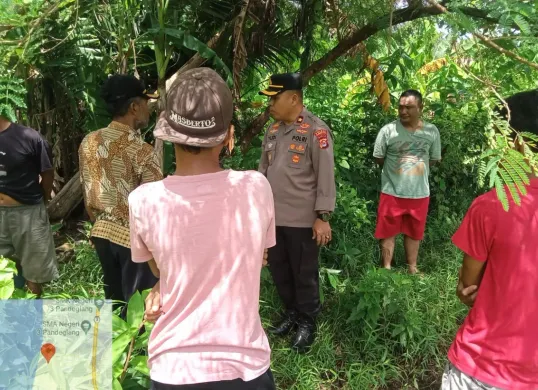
column 207, row 234
column 498, row 341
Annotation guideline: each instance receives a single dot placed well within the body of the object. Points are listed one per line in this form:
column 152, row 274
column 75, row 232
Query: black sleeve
column 43, row 154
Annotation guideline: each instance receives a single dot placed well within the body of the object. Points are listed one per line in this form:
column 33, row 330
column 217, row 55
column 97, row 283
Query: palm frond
column 12, row 97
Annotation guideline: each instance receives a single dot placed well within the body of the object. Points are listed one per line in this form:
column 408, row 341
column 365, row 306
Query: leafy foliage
column 12, row 97
column 7, row 271
column 508, row 170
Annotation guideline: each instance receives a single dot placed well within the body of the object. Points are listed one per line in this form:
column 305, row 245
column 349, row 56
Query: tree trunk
column 254, row 129
column 66, row 200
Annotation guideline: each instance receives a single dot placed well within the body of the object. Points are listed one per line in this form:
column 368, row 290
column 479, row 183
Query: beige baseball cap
column 199, row 110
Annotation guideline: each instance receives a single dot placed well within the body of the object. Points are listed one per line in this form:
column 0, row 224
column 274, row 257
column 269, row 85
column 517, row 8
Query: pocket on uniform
column 297, row 155
column 270, row 150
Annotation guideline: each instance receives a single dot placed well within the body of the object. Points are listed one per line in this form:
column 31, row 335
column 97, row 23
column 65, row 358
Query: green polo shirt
column 407, row 157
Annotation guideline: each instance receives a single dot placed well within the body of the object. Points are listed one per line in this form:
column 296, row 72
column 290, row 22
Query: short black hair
column 414, row 93
column 523, row 112
column 191, row 149
column 118, row 108
column 119, row 91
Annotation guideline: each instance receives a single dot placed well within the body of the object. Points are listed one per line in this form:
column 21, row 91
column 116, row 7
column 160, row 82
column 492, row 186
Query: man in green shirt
column 405, row 149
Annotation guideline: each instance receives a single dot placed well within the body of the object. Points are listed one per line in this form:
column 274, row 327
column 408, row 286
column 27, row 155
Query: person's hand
column 322, row 232
column 466, row 295
column 153, row 304
column 265, row 257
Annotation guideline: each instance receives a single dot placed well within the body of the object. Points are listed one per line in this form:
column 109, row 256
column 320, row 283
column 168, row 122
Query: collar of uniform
column 120, row 126
column 301, row 118
column 298, row 122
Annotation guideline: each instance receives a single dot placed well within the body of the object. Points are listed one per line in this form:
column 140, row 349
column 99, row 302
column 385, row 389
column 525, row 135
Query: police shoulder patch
column 323, row 143
column 322, row 137
column 320, row 134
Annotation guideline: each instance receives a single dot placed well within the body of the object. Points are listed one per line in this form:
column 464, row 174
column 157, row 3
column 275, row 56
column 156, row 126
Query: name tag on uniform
column 300, row 138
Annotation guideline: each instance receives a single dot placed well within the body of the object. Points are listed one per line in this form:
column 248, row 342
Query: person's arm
column 81, row 163
column 475, row 238
column 154, row 269
column 151, row 168
column 139, row 250
column 380, row 147
column 153, row 304
column 264, row 162
column 91, row 215
column 270, row 235
column 44, row 163
column 470, row 277
column 435, row 155
column 141, row 254
column 47, row 181
column 323, row 164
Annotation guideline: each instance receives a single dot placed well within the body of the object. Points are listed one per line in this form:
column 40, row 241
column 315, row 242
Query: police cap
column 279, row 83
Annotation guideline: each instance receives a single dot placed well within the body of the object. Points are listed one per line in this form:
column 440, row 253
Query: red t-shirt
column 498, row 341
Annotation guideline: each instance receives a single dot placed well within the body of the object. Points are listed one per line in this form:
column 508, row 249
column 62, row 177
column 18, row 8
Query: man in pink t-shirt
column 497, row 345
column 204, row 231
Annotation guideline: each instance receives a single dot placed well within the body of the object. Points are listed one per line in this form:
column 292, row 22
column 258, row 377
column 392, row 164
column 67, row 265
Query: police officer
column 298, row 161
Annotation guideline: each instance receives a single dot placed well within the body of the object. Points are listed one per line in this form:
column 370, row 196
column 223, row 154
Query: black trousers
column 293, row 263
column 264, row 382
column 122, row 277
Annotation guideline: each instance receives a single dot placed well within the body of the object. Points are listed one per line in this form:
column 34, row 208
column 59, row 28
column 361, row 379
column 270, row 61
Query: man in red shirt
column 497, row 345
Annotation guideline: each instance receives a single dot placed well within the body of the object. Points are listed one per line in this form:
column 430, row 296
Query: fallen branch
column 488, row 42
column 65, row 201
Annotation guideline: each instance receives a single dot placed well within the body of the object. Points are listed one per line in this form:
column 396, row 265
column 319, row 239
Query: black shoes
column 306, row 330
column 306, row 334
column 286, row 324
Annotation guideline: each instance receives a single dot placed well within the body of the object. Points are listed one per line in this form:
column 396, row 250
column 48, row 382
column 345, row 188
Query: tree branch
column 360, row 35
column 254, row 129
column 488, row 42
column 240, row 52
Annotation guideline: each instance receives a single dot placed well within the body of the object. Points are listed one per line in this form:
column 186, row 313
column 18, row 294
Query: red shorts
column 401, row 215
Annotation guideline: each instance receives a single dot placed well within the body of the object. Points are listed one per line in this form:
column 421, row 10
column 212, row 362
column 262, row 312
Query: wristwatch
column 325, row 217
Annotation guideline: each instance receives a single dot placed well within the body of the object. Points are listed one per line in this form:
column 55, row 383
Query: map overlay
column 50, row 344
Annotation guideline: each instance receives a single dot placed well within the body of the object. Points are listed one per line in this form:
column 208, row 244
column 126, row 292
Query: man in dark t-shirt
column 25, row 232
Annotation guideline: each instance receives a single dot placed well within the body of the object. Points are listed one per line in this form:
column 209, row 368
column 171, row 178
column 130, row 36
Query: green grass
column 364, row 353
column 80, row 276
column 397, row 338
